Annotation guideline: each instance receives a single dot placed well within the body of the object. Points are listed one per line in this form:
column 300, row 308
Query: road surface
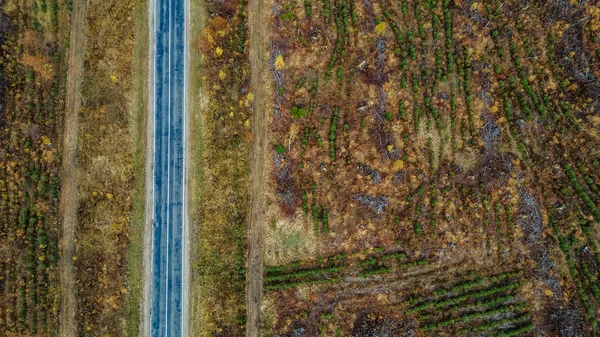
column 168, row 217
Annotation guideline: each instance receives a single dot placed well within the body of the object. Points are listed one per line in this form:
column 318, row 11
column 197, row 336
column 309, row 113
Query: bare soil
column 68, row 194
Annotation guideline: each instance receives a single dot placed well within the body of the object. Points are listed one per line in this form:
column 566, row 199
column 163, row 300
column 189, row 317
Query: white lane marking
column 168, row 177
column 183, row 195
column 152, row 60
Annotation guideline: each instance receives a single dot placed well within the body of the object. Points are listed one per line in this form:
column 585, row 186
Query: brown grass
column 109, row 160
column 219, row 156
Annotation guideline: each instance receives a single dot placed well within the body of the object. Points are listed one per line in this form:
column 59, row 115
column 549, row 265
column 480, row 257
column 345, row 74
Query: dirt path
column 68, row 191
column 258, row 15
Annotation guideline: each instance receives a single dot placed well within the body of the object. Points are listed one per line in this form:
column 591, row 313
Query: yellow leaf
column 250, row 97
column 109, row 196
column 114, row 79
column 476, row 6
column 279, row 63
column 398, row 165
column 222, row 74
column 219, row 51
column 380, row 28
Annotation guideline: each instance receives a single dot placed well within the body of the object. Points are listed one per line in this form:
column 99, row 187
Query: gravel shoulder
column 147, row 258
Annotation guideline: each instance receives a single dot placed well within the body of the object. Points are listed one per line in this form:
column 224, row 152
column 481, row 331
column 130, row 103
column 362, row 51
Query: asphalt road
column 166, row 292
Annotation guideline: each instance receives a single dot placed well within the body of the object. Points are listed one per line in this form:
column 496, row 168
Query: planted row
column 464, row 297
column 302, row 274
column 474, row 315
column 582, row 194
column 566, row 249
column 287, row 285
column 333, row 133
column 494, row 324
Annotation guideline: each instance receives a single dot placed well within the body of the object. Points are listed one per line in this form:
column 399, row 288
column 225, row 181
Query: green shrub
column 54, row 12
column 416, row 117
column 418, row 229
column 298, row 112
column 280, row 149
column 388, row 116
column 308, row 8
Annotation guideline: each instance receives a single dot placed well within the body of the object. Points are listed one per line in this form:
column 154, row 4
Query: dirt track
column 68, row 191
column 258, row 15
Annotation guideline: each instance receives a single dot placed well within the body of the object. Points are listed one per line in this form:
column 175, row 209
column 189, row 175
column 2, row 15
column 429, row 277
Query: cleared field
column 456, row 132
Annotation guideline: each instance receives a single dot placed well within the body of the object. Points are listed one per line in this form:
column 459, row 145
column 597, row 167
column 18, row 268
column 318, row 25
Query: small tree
column 280, row 149
column 298, row 112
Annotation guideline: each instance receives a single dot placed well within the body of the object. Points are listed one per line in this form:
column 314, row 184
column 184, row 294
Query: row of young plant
column 593, row 186
column 562, row 106
column 28, row 187
column 464, row 71
column 526, row 85
column 318, row 212
column 28, row 233
column 575, row 275
column 423, row 303
column 540, row 100
column 518, row 324
column 331, row 269
column 468, row 317
column 425, row 212
column 406, row 50
column 502, row 221
column 321, row 262
column 583, row 195
column 341, row 17
column 320, row 271
column 510, row 91
column 386, row 264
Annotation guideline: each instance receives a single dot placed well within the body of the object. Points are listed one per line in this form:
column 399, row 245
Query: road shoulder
column 145, row 321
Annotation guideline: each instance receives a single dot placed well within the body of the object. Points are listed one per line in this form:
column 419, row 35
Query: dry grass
column 137, row 221
column 110, row 157
column 219, row 153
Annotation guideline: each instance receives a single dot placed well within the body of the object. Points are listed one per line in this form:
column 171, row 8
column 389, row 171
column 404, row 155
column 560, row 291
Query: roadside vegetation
column 111, row 179
column 220, row 140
